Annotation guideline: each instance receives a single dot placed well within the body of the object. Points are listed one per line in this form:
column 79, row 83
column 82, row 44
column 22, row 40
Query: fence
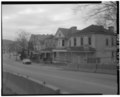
column 98, row 65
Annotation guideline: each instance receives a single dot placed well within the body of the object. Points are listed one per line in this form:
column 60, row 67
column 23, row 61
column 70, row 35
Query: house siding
column 103, row 51
column 85, row 40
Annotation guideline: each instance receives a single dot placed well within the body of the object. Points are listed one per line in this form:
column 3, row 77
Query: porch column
column 65, row 57
column 71, row 61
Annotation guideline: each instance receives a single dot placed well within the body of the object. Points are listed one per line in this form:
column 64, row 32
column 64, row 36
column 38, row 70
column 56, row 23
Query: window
column 112, row 54
column 74, row 41
column 112, row 41
column 89, row 40
column 106, row 42
column 81, row 40
column 59, row 35
column 55, row 54
column 63, row 42
column 93, row 60
column 70, row 43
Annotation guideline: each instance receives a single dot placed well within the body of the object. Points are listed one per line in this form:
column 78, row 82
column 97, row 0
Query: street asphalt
column 70, row 82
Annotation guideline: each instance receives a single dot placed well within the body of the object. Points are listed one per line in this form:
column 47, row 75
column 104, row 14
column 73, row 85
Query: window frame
column 63, row 42
column 107, row 42
column 75, row 41
column 81, row 41
column 89, row 40
column 112, row 41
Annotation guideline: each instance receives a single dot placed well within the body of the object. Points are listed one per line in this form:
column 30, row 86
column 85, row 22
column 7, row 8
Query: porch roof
column 75, row 49
column 60, row 50
column 46, row 50
column 81, row 49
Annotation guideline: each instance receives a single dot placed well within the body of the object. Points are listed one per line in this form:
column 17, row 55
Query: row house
column 46, row 52
column 36, row 44
column 93, row 44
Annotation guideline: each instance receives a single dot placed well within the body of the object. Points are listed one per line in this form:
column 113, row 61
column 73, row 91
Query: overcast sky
column 41, row 19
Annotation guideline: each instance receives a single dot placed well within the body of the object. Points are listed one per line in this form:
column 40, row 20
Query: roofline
column 92, row 34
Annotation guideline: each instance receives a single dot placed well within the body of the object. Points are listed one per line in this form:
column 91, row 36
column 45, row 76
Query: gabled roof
column 94, row 29
column 67, row 32
column 50, row 37
column 38, row 37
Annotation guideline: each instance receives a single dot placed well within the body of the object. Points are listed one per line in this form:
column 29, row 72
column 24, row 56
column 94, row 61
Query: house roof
column 94, row 29
column 49, row 37
column 38, row 37
column 67, row 32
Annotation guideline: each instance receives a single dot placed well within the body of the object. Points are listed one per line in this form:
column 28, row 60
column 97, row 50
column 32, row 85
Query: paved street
column 67, row 81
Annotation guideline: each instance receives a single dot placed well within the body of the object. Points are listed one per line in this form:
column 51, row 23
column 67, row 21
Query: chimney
column 73, row 29
column 111, row 28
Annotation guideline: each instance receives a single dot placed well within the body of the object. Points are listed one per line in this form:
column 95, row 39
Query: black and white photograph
column 59, row 48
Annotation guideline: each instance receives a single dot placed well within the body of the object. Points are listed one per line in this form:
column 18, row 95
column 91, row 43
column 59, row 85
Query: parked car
column 26, row 61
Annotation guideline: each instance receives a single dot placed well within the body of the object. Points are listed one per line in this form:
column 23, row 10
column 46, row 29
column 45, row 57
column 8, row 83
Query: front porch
column 72, row 57
column 46, row 56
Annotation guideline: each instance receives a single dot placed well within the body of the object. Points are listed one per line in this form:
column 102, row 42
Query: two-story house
column 60, row 51
column 93, row 44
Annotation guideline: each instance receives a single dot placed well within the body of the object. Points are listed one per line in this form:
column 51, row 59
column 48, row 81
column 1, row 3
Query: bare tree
column 104, row 13
column 21, row 42
column 22, row 39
